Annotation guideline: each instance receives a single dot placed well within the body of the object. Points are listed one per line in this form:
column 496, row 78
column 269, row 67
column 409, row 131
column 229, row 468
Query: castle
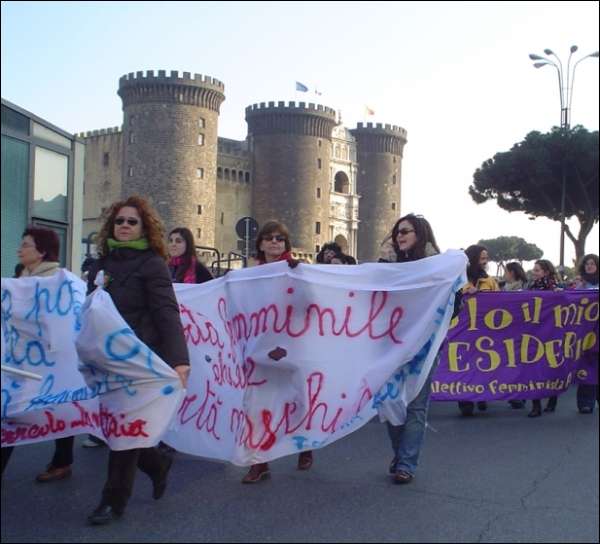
column 298, row 165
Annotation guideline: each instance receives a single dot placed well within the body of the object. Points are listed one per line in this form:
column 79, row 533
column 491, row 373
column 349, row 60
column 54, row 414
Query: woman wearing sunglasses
column 411, row 239
column 183, row 261
column 136, row 276
column 273, row 245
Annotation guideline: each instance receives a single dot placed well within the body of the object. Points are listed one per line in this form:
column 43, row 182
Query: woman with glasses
column 133, row 260
column 411, row 239
column 38, row 257
column 273, row 245
column 184, row 265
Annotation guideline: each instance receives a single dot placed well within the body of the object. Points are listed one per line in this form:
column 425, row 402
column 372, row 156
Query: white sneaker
column 89, row 443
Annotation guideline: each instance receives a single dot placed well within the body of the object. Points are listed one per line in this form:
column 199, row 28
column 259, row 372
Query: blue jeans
column 407, row 439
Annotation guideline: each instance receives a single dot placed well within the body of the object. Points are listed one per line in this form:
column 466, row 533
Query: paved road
column 498, row 477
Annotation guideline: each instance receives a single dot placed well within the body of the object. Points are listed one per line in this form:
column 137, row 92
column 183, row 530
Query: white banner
column 283, row 360
column 130, row 395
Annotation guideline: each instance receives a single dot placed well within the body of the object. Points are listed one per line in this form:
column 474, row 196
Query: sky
column 455, row 75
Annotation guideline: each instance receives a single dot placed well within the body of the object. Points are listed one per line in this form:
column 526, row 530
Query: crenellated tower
column 170, row 146
column 379, row 180
column 291, row 149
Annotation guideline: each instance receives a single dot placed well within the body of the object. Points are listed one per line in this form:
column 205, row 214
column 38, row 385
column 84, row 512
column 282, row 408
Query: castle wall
column 102, row 175
column 379, row 182
column 170, row 146
column 291, row 150
column 234, row 192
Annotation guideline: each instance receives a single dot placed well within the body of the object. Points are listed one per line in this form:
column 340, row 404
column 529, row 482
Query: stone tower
column 291, row 149
column 170, row 146
column 379, row 181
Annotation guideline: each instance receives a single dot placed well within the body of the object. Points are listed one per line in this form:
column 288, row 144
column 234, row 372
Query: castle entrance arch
column 342, row 183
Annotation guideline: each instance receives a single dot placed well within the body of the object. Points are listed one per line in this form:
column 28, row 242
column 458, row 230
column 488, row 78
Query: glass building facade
column 42, row 184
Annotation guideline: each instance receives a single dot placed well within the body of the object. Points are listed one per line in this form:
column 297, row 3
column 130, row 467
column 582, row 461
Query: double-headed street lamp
column 565, row 88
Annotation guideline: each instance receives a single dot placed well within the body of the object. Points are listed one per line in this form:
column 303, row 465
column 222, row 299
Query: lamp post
column 565, row 88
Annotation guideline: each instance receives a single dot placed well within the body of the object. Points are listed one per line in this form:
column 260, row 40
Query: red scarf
column 285, row 256
column 190, row 274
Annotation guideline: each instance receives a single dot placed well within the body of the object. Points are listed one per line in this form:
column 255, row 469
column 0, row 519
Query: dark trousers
column 586, row 395
column 121, row 473
column 63, row 453
column 552, row 402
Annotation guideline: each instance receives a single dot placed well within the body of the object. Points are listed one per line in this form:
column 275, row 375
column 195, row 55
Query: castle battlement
column 380, row 127
column 100, row 132
column 290, row 107
column 197, row 80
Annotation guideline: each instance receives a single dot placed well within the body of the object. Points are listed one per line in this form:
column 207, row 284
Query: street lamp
column 565, row 88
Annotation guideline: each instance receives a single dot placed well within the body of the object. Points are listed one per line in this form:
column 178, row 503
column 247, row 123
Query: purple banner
column 519, row 345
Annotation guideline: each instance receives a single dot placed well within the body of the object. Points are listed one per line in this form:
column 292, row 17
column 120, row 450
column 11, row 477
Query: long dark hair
column 333, row 246
column 474, row 269
column 517, row 271
column 548, row 267
column 424, row 234
column 189, row 255
column 590, row 278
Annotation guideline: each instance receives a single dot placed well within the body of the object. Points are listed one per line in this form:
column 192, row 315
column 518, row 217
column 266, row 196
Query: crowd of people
column 139, row 265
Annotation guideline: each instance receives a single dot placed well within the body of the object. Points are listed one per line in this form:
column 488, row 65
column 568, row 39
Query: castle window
column 233, row 174
column 105, row 159
column 320, row 143
column 222, row 218
column 201, row 123
column 131, row 137
column 393, row 205
column 226, row 173
column 219, row 172
column 318, row 227
column 318, row 192
column 317, row 248
column 394, row 179
column 199, row 209
column 319, row 164
column 200, row 139
column 341, row 183
column 198, row 233
column 247, row 177
column 200, row 173
column 130, row 172
column 240, row 176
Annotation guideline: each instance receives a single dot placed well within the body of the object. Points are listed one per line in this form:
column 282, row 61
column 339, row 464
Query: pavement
column 496, row 477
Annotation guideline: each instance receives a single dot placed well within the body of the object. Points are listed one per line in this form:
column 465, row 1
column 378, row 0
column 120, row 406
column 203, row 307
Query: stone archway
column 342, row 183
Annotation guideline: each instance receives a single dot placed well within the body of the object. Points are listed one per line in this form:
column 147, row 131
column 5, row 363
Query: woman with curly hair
column 133, row 260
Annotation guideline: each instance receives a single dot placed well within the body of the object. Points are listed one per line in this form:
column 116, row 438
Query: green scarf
column 139, row 244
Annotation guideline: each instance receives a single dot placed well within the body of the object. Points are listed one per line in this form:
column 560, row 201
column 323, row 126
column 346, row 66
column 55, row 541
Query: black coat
column 140, row 285
column 202, row 273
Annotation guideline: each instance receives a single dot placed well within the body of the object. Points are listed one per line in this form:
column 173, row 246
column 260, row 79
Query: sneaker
column 94, row 442
column 305, row 460
column 257, row 473
column 53, row 473
column 103, row 514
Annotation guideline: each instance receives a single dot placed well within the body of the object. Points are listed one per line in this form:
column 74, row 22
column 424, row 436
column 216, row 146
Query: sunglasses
column 278, row 238
column 404, row 232
column 130, row 221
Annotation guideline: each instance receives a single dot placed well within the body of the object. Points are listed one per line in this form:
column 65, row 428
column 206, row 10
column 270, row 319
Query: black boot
column 536, row 411
column 482, row 406
column 551, row 406
column 466, row 408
